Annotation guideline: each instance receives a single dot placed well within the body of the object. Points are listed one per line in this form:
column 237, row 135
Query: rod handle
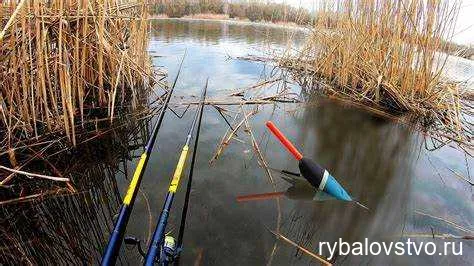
column 288, row 145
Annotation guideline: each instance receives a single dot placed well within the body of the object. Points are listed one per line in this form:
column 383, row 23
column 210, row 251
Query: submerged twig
column 304, row 250
column 53, row 178
column 228, row 137
column 456, row 226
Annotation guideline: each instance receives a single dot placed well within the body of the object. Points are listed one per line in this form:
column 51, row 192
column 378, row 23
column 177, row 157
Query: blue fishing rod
column 161, row 248
column 116, row 238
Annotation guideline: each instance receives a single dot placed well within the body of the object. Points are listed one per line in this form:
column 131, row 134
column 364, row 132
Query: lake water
column 384, row 165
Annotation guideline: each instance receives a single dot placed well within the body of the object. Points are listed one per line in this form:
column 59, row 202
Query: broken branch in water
column 265, row 100
column 227, row 137
column 258, row 85
column 440, row 236
column 263, row 163
column 255, row 58
column 53, row 178
column 456, row 226
column 224, row 102
column 317, row 257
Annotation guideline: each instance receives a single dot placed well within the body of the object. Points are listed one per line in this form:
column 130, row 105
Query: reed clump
column 386, row 55
column 65, row 63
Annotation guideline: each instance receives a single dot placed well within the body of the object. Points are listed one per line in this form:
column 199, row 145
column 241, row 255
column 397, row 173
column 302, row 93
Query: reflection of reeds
column 67, row 229
column 386, row 54
column 52, row 156
column 60, row 60
column 56, row 226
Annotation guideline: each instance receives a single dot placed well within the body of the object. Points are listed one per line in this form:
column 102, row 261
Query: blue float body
column 335, row 189
column 321, row 179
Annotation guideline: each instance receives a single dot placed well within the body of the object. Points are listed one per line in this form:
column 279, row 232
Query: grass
column 386, row 55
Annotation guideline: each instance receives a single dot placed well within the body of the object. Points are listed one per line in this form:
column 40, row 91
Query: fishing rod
column 184, row 211
column 115, row 241
column 161, row 247
column 317, row 176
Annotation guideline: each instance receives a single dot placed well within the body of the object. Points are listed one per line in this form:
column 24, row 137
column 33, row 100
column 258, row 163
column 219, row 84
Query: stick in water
column 319, row 258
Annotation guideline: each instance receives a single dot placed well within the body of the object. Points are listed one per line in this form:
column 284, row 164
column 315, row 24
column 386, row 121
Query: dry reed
column 386, row 54
column 63, row 62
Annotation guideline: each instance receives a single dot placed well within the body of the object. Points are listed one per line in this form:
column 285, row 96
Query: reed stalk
column 60, row 60
column 387, row 55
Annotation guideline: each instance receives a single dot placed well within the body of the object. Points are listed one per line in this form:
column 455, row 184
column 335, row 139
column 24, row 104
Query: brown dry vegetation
column 60, row 59
column 71, row 72
column 385, row 55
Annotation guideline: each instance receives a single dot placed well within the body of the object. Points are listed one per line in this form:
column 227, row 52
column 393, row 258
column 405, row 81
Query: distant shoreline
column 222, row 18
column 452, row 49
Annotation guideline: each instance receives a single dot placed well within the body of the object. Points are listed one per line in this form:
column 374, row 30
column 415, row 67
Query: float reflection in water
column 376, row 152
column 300, row 190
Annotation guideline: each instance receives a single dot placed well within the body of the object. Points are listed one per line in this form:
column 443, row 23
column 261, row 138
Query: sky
column 464, row 32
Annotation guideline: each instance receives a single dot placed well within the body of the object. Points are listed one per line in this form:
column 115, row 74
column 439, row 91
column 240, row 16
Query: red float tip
column 284, row 141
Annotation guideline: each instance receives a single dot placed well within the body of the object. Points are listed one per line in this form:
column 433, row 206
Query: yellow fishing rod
column 162, row 249
column 116, row 238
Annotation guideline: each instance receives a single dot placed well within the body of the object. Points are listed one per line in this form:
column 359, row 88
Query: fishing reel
column 168, row 254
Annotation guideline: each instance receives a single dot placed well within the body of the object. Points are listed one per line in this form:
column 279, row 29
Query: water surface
column 384, row 165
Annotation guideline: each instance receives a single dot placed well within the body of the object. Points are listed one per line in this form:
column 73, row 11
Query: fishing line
column 285, row 172
column 181, row 115
column 361, row 205
column 225, row 119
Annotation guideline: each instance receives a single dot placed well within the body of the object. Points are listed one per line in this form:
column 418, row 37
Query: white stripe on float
column 324, row 180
